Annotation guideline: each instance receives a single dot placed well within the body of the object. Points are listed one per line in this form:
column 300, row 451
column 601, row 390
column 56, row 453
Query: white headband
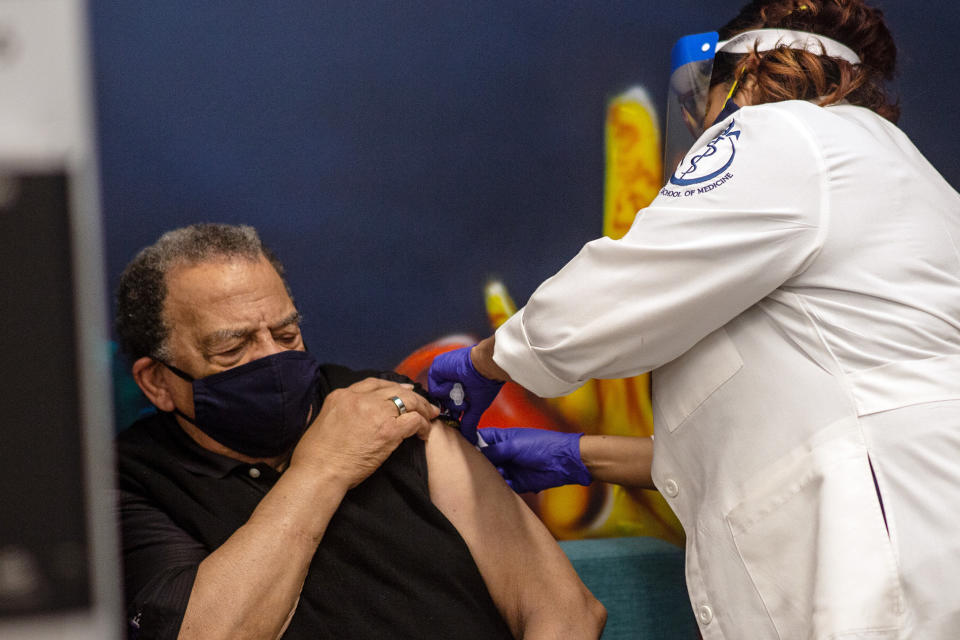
column 769, row 39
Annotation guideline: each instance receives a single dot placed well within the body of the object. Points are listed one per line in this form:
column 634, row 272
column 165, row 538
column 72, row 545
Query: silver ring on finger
column 401, row 408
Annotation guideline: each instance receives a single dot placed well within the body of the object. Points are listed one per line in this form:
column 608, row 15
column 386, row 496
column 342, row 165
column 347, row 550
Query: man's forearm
column 249, row 586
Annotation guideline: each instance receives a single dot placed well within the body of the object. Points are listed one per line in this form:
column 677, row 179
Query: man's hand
column 359, row 426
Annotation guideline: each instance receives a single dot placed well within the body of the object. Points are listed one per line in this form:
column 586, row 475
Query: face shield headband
column 692, row 66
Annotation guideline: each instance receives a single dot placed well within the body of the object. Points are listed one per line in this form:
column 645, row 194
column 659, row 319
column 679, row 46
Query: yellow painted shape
column 634, row 171
column 500, row 305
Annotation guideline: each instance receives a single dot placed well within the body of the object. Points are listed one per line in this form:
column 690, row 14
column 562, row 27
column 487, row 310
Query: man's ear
column 149, row 376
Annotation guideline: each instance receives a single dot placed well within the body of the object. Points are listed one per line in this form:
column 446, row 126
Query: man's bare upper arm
column 529, row 577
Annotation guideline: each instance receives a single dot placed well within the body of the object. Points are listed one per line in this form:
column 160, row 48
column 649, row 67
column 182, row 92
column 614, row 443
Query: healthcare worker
column 795, row 289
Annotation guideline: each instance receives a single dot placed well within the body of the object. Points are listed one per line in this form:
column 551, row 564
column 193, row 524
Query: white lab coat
column 797, row 295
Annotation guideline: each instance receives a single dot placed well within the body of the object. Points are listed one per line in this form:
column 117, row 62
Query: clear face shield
column 691, row 70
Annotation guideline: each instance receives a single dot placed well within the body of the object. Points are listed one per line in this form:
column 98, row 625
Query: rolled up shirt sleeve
column 691, row 262
column 160, row 563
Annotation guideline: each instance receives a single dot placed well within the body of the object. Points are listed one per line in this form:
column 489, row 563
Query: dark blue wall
column 396, row 154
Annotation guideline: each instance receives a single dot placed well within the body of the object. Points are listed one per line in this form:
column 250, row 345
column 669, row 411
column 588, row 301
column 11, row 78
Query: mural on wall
column 612, row 407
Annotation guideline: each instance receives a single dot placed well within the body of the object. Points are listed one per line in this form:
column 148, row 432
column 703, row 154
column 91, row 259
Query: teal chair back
column 641, row 583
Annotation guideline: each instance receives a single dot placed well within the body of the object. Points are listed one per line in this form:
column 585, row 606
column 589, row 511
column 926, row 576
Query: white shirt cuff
column 514, row 354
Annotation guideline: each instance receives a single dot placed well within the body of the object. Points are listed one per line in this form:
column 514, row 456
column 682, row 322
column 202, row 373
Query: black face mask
column 260, row 408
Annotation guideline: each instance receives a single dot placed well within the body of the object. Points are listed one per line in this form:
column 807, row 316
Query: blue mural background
column 397, row 154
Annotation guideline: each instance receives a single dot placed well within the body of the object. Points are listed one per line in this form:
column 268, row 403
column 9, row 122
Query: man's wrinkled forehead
column 225, row 295
column 212, row 341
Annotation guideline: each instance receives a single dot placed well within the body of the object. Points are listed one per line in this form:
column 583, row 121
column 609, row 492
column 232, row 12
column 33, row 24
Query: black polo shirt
column 390, row 565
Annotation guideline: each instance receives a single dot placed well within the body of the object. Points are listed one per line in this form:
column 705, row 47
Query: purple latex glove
column 459, row 388
column 535, row 459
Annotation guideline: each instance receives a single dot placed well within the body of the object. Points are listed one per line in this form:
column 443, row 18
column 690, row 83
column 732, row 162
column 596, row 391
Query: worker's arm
column 624, row 460
column 530, row 579
column 538, row 459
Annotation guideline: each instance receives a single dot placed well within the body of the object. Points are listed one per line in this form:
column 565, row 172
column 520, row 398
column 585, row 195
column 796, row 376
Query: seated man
column 271, row 496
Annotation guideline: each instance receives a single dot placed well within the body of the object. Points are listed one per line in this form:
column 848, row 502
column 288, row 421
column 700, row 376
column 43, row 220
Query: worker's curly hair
column 791, row 74
column 142, row 291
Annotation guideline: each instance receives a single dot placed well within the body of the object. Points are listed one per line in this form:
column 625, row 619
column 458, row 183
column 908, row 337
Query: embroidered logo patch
column 710, row 162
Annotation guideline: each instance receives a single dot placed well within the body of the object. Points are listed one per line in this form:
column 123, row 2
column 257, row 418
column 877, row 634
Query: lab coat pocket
column 813, row 539
column 681, row 386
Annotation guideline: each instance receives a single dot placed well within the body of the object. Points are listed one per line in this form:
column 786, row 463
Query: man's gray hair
column 143, row 289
